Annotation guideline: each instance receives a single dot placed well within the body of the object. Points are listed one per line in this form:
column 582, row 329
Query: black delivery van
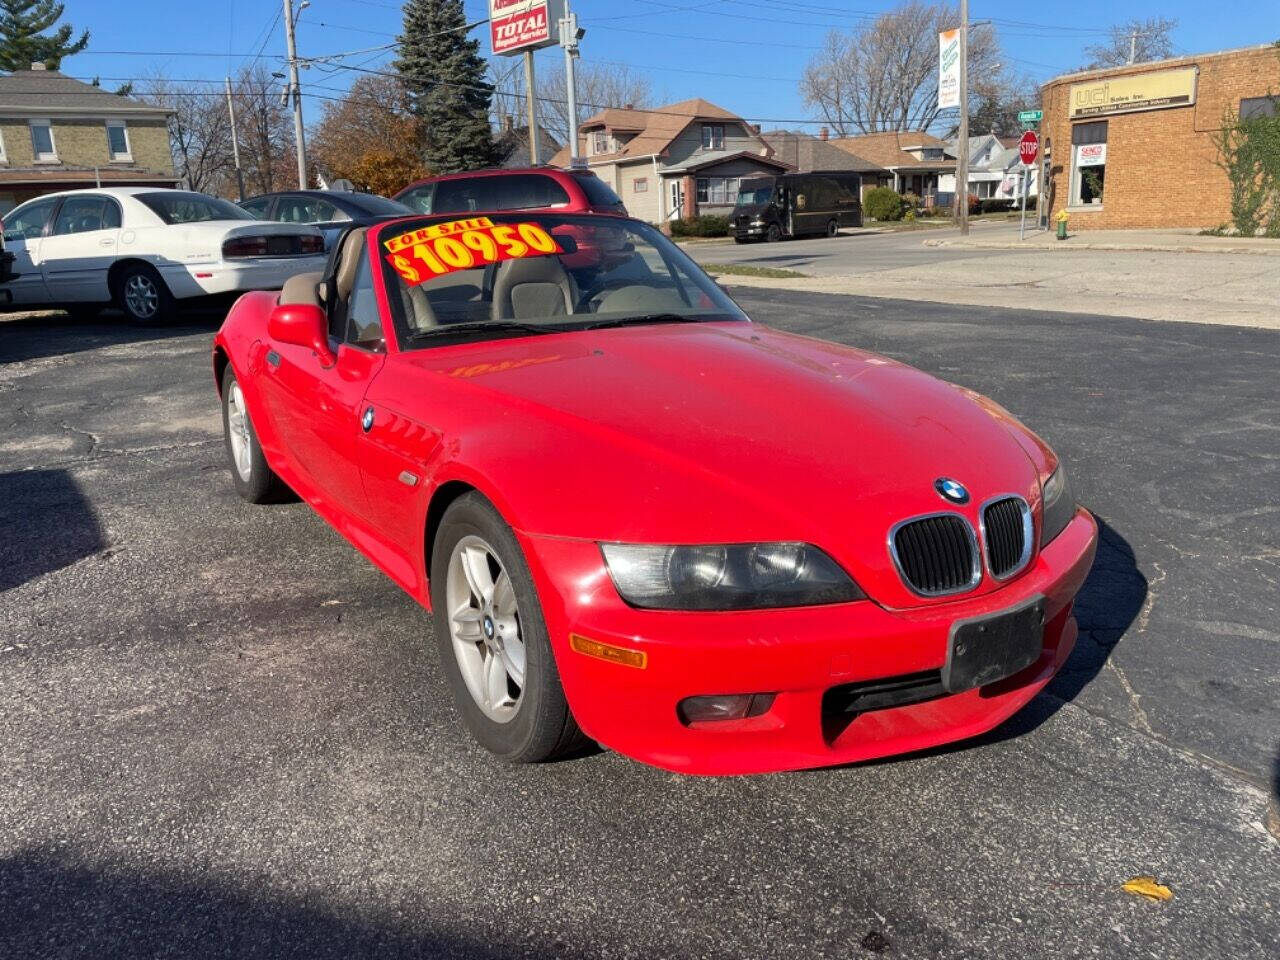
column 796, row 205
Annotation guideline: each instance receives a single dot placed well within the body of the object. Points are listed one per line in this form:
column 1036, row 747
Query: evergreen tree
column 22, row 39
column 445, row 78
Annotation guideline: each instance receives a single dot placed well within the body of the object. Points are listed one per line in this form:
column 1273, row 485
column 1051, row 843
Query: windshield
column 515, row 274
column 177, row 206
column 755, row 193
column 599, row 193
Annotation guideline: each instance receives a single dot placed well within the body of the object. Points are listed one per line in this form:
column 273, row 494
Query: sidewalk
column 1138, row 241
column 1149, row 283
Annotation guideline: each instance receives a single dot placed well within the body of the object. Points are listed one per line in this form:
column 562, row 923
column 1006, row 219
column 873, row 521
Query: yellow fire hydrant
column 1062, row 224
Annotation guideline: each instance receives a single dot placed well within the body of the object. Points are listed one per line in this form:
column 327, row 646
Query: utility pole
column 533, row 107
column 235, row 143
column 569, row 37
column 962, row 158
column 299, row 137
column 1133, row 46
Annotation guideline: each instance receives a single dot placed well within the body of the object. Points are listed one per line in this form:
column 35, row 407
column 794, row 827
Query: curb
column 1272, row 819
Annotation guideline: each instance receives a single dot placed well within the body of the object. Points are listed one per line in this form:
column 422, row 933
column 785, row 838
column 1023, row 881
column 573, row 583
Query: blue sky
column 746, row 55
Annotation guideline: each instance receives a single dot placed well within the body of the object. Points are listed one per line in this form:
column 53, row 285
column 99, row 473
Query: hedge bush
column 708, row 225
column 883, row 203
column 996, row 205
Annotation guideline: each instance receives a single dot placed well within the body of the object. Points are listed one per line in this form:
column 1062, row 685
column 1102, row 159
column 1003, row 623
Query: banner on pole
column 949, row 69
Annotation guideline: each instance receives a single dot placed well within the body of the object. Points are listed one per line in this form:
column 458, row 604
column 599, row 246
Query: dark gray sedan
column 330, row 211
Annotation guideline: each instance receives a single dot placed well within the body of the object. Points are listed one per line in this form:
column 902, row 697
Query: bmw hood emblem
column 951, row 490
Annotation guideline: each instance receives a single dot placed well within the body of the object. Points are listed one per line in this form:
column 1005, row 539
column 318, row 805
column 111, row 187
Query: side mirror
column 304, row 325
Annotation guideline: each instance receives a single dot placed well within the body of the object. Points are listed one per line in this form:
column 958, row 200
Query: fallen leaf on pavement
column 1147, row 887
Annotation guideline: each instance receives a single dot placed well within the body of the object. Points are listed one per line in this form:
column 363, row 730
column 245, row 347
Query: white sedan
column 144, row 248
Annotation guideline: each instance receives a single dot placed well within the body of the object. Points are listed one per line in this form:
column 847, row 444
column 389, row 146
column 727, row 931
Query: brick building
column 1133, row 146
column 57, row 133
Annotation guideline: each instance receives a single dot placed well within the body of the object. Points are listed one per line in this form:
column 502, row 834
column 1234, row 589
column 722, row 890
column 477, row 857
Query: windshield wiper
column 643, row 319
column 487, row 326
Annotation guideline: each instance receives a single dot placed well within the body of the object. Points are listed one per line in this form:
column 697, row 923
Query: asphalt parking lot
column 223, row 733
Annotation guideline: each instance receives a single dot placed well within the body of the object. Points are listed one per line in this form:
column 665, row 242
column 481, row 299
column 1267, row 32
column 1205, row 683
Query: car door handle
column 106, row 243
column 273, row 359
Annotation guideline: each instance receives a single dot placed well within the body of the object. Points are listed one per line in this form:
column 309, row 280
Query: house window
column 717, row 190
column 640, row 185
column 118, row 141
column 1088, row 163
column 600, row 142
column 713, row 136
column 42, row 145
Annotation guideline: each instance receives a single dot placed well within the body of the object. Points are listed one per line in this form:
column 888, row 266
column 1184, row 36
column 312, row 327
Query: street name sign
column 1030, row 116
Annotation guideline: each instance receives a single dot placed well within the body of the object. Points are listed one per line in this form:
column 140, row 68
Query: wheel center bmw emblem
column 952, row 490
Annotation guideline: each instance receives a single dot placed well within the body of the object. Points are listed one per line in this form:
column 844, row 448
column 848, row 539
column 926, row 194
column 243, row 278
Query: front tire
column 493, row 639
column 143, row 295
column 774, row 233
column 833, row 228
column 254, row 479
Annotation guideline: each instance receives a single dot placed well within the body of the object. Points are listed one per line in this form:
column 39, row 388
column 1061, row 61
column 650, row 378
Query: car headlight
column 1059, row 505
column 727, row 577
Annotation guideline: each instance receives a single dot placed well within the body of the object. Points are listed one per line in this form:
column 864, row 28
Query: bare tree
column 199, row 130
column 884, row 75
column 265, row 130
column 995, row 105
column 1134, row 41
column 600, row 85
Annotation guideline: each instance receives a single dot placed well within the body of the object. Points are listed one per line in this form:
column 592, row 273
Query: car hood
column 722, row 432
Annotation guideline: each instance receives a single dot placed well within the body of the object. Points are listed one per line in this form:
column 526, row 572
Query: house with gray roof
column 58, row 133
column 673, row 162
column 809, row 154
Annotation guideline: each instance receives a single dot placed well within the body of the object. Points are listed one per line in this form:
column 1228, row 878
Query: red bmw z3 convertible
column 640, row 518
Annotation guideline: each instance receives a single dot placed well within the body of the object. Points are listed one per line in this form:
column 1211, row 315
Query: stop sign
column 1029, row 148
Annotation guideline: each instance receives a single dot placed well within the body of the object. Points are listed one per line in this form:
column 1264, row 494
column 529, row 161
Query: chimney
column 37, row 66
column 824, row 134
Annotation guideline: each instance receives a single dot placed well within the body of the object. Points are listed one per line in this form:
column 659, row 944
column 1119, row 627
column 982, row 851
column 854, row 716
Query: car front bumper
column 265, row 273
column 799, row 654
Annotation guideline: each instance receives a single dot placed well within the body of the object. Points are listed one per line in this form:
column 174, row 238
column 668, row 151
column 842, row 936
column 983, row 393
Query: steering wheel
column 584, row 301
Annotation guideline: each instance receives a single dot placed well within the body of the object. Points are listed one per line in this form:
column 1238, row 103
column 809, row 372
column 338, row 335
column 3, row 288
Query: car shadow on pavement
column 52, row 906
column 32, row 337
column 46, row 523
column 1110, row 600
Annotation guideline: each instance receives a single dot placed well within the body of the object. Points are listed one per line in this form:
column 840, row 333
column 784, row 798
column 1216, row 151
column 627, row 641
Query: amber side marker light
column 606, row 651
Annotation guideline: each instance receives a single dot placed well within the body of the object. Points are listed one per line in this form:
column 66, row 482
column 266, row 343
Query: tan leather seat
column 352, row 250
column 417, row 308
column 302, row 288
column 532, row 288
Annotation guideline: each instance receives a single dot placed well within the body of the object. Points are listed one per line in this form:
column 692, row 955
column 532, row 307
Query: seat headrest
column 352, row 250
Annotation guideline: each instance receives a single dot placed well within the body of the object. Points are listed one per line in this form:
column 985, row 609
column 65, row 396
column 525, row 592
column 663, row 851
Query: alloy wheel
column 141, row 296
column 238, row 432
column 484, row 625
